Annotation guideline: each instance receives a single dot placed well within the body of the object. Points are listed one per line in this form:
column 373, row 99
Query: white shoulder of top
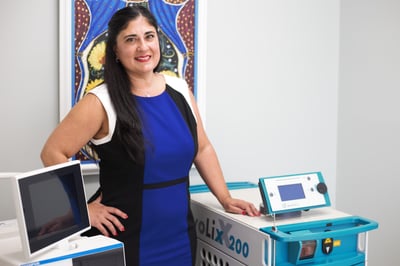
column 181, row 86
column 101, row 92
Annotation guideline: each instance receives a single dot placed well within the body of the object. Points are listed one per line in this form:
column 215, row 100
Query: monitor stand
column 68, row 245
column 287, row 215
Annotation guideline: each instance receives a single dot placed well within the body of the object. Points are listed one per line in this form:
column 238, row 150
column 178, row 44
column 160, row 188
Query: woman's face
column 137, row 47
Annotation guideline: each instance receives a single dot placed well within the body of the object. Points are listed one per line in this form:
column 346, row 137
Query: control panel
column 290, row 193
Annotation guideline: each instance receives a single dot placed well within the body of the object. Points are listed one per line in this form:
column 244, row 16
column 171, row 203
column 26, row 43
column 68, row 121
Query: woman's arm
column 83, row 122
column 208, row 166
column 86, row 120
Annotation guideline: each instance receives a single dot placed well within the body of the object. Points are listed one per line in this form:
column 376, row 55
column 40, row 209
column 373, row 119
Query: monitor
column 50, row 206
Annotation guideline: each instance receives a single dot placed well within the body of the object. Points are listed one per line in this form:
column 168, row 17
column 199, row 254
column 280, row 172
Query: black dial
column 322, row 188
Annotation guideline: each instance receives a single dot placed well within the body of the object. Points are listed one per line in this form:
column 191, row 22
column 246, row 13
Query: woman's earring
column 117, row 60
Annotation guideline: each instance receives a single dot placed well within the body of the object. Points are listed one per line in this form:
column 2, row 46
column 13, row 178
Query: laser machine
column 297, row 226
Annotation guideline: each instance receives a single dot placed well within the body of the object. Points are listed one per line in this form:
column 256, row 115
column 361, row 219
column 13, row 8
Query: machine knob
column 322, row 188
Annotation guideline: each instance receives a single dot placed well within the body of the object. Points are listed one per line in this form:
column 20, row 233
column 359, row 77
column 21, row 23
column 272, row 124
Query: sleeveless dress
column 160, row 226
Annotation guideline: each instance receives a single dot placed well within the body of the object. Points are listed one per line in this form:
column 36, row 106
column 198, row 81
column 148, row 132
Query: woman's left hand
column 240, row 206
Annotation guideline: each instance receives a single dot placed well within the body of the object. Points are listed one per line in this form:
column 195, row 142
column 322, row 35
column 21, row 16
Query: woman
column 147, row 132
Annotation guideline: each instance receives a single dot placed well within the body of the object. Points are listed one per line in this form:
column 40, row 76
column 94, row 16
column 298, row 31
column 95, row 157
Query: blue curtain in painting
column 166, row 15
column 99, row 17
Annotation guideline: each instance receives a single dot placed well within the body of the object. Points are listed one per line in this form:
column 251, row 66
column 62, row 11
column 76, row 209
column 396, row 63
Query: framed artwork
column 83, row 34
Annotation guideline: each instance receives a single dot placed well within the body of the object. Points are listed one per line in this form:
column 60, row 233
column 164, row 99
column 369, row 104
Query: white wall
column 29, row 81
column 272, row 69
column 369, row 120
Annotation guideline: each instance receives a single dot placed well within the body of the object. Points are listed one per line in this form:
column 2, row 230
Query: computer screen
column 50, row 206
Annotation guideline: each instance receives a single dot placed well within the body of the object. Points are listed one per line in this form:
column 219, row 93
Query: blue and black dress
column 160, row 226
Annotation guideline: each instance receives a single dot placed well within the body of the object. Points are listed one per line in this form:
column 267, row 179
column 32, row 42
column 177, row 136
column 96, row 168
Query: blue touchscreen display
column 291, row 192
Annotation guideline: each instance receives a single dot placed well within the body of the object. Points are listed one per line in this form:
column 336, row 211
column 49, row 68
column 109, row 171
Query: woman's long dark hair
column 128, row 126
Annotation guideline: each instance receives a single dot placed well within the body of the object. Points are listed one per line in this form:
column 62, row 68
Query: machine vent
column 208, row 255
